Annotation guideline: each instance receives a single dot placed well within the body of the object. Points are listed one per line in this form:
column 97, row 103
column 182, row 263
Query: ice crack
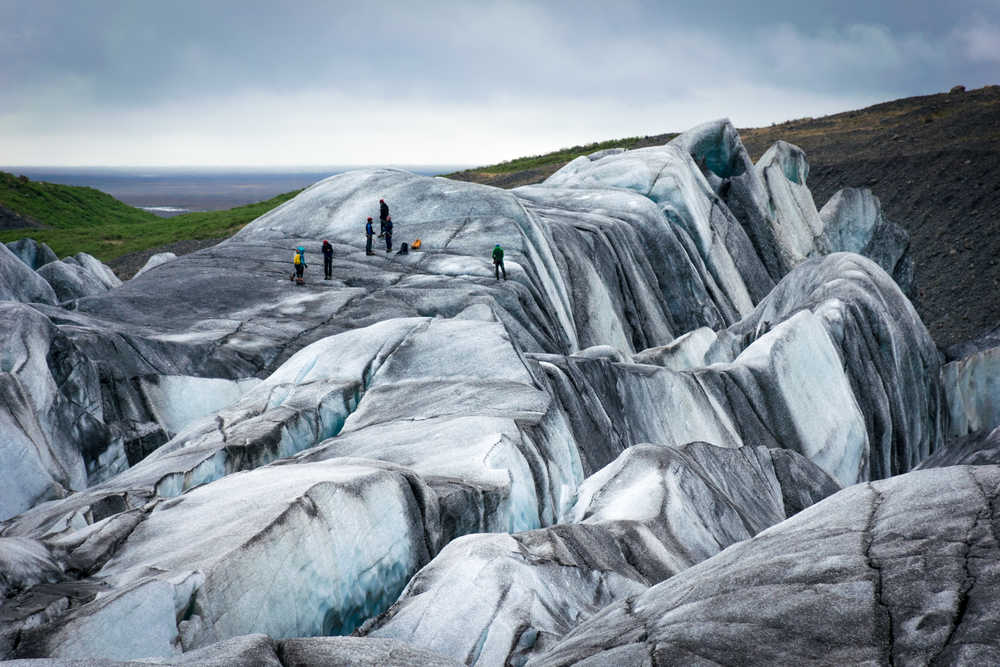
column 876, row 566
column 968, row 579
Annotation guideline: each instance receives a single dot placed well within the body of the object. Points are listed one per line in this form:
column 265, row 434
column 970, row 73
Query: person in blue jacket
column 369, row 232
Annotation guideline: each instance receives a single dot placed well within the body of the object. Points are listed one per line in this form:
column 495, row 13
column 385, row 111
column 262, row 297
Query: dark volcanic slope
column 126, row 266
column 13, row 220
column 934, row 161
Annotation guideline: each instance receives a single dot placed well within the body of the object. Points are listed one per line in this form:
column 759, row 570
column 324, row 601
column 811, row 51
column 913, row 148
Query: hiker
column 388, row 233
column 498, row 262
column 368, row 234
column 383, row 215
column 299, row 261
column 327, row 260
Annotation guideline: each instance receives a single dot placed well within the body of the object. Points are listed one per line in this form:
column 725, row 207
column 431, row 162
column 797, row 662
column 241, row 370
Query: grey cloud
column 64, row 59
column 138, row 52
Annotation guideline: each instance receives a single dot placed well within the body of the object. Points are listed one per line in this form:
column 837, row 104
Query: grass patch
column 88, row 220
column 66, row 206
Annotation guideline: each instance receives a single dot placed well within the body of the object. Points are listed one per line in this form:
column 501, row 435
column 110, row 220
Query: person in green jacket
column 498, row 262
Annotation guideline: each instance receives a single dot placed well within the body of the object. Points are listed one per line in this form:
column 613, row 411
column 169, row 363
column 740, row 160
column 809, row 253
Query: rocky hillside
column 933, row 161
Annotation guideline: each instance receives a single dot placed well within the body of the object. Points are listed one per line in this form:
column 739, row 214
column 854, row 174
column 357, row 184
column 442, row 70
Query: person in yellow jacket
column 299, row 261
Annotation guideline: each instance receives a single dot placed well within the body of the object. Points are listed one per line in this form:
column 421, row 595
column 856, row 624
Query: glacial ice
column 23, row 563
column 875, row 573
column 654, row 511
column 178, row 400
column 853, row 222
column 668, row 177
column 810, row 404
column 96, row 268
column 888, row 355
column 154, row 261
column 196, row 564
column 31, row 252
column 71, row 281
column 135, row 622
column 972, row 392
column 820, row 412
column 796, row 222
column 199, row 434
column 47, row 411
column 32, row 471
column 18, row 282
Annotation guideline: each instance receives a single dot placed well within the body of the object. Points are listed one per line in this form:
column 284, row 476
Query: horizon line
column 236, row 166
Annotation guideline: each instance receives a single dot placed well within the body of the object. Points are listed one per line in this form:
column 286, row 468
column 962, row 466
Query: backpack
column 298, row 259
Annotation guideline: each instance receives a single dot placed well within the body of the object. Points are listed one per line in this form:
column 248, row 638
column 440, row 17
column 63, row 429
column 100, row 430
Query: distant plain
column 170, row 191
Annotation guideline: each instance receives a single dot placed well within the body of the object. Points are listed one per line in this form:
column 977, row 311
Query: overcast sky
column 249, row 82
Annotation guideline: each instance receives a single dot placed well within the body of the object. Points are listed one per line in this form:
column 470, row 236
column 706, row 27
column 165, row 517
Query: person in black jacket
column 369, row 232
column 327, row 260
column 388, row 233
column 383, row 215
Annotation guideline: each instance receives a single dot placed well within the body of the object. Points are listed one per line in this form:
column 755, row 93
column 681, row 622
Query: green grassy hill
column 64, row 206
column 73, row 219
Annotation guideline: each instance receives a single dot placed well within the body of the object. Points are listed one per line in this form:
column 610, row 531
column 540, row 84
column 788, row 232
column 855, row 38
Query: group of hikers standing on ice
column 385, row 228
column 385, row 231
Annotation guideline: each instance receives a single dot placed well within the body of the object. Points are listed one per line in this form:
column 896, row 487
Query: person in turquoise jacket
column 299, row 262
column 498, row 262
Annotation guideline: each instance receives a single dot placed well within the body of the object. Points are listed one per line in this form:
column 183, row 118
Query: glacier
column 693, row 383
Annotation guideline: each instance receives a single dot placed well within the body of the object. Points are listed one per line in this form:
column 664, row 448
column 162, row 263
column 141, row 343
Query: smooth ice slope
column 498, row 599
column 178, row 400
column 154, row 261
column 46, row 414
column 901, row 571
column 273, row 551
